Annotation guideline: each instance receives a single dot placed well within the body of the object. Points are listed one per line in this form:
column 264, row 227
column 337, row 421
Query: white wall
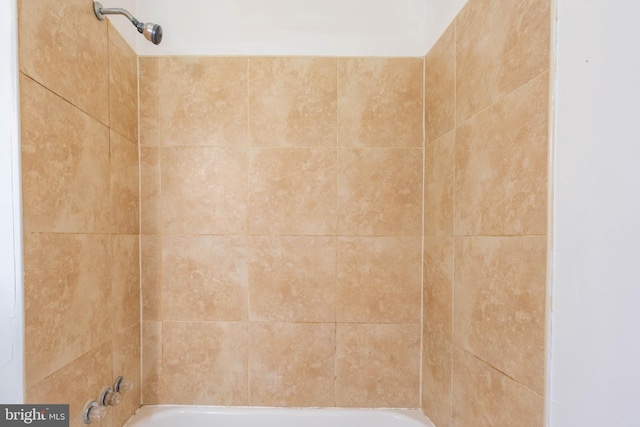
column 11, row 307
column 595, row 369
column 286, row 27
column 289, row 27
column 440, row 13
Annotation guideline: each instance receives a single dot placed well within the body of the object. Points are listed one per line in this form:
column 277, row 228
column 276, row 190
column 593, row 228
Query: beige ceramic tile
column 123, row 87
column 380, row 191
column 499, row 47
column 439, row 171
column 203, row 101
column 501, row 166
column 76, row 384
column 125, row 279
column 440, row 86
column 205, row 363
column 484, row 397
column 378, row 365
column 150, row 202
column 292, row 191
column 151, row 277
column 125, row 197
column 205, row 278
column 150, row 102
column 126, row 363
column 292, row 364
column 204, row 190
column 151, row 375
column 292, row 101
column 378, row 279
column 437, row 363
column 499, row 304
column 65, row 164
column 64, row 47
column 380, row 102
column 67, row 299
column 438, row 285
column 292, row 279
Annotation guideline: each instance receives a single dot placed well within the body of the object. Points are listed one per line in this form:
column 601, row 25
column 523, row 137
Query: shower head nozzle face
column 156, row 34
column 151, row 32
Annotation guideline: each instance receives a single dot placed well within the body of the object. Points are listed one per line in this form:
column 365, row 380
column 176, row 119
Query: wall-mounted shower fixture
column 123, row 385
column 151, row 31
column 93, row 412
column 108, row 397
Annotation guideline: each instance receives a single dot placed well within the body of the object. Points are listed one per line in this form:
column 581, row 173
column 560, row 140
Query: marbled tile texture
column 380, row 102
column 485, row 216
column 79, row 103
column 281, row 199
column 281, row 221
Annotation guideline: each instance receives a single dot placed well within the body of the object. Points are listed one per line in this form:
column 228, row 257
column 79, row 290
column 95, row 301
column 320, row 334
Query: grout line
column 335, row 363
column 453, row 209
column 455, row 73
column 161, row 368
column 422, row 250
column 110, row 162
column 68, row 101
column 335, row 240
column 161, row 235
column 140, row 235
column 500, row 371
column 488, row 107
column 249, row 341
column 249, row 238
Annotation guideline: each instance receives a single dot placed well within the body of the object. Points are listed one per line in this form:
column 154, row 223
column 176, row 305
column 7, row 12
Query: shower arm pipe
column 101, row 11
column 150, row 31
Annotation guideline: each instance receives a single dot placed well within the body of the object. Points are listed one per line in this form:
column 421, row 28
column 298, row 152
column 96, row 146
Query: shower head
column 150, row 31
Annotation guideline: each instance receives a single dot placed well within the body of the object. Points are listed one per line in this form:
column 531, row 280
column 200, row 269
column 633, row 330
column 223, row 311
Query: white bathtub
column 214, row 416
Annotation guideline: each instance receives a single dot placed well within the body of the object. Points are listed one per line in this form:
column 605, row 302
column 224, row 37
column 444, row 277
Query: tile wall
column 281, row 230
column 486, row 163
column 281, row 221
column 78, row 96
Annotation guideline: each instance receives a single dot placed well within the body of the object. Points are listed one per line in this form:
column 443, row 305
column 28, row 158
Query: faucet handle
column 108, row 397
column 94, row 412
column 123, row 385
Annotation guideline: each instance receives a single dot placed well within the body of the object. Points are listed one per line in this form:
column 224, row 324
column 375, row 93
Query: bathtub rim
column 145, row 410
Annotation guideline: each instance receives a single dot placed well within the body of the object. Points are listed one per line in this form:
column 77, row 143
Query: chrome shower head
column 150, row 31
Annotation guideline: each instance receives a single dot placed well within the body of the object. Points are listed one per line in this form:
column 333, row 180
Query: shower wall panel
column 485, row 206
column 78, row 100
column 281, row 230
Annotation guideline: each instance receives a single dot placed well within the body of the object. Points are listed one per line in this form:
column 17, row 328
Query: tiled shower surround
column 78, row 112
column 486, row 163
column 282, row 227
column 365, row 232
